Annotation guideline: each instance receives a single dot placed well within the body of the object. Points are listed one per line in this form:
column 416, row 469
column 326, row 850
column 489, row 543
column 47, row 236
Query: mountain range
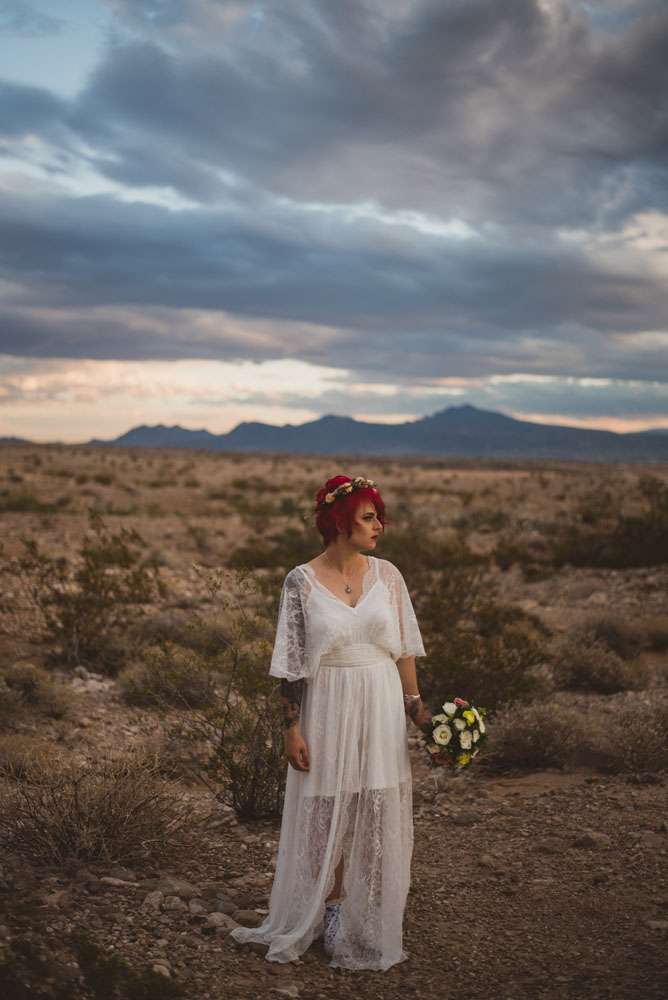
column 457, row 431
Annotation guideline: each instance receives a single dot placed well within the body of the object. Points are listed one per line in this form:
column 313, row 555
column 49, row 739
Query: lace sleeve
column 411, row 639
column 289, row 659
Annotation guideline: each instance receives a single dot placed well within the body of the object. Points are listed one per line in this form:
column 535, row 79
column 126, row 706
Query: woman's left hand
column 419, row 713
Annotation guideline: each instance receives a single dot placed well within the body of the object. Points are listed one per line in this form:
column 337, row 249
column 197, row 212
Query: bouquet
column 454, row 735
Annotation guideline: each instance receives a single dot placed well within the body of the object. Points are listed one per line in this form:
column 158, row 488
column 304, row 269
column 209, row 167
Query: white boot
column 331, row 924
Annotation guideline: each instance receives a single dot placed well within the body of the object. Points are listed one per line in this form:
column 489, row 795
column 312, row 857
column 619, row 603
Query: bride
column 345, row 648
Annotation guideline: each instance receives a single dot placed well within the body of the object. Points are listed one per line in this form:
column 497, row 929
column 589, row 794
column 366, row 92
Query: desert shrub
column 10, row 704
column 638, row 741
column 168, row 675
column 625, row 638
column 20, row 757
column 621, row 540
column 106, row 810
column 283, row 549
column 36, row 690
column 656, row 632
column 478, row 648
column 242, row 733
column 78, row 607
column 581, row 661
column 26, row 503
column 482, row 519
column 534, row 736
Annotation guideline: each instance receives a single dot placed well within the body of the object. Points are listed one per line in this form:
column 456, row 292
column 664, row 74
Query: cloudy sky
column 223, row 210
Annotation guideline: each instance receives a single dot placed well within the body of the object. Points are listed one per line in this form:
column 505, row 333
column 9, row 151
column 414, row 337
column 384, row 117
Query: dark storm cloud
column 427, row 307
column 511, row 110
column 516, row 111
column 519, row 117
column 22, row 20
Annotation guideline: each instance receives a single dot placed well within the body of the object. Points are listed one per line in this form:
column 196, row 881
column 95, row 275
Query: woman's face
column 365, row 526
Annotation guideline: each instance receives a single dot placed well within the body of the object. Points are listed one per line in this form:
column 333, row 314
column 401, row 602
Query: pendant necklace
column 348, row 588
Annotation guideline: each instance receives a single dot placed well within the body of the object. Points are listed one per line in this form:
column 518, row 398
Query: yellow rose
column 469, row 716
column 463, row 758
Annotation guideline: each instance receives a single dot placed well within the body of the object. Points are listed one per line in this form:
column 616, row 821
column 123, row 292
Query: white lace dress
column 356, row 798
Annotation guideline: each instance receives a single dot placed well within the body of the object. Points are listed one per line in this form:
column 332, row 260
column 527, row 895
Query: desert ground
column 540, row 871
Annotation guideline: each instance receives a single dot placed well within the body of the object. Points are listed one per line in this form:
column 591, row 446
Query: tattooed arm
column 292, row 693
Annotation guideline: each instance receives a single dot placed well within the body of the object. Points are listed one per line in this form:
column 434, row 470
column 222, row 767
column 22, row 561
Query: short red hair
column 338, row 516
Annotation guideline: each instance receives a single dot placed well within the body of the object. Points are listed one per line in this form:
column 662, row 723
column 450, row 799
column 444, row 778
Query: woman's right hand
column 296, row 749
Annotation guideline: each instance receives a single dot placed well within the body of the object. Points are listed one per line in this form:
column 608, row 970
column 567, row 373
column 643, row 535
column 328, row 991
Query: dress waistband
column 357, row 654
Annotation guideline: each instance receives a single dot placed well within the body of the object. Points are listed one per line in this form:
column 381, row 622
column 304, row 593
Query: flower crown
column 344, row 489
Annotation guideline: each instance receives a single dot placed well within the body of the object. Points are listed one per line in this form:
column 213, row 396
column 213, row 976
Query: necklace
column 347, row 588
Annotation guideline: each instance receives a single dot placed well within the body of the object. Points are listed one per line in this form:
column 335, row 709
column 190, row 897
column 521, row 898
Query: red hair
column 338, row 516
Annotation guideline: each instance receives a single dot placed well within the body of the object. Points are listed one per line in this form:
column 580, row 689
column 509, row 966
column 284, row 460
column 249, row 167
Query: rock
column 196, row 907
column 285, row 991
column 598, row 598
column 593, row 839
column 221, row 920
column 172, row 887
column 657, row 925
column 248, row 918
column 81, row 673
column 174, row 903
column 4, row 933
column 161, row 970
column 153, row 901
column 123, row 873
column 224, row 905
column 465, row 818
column 118, row 883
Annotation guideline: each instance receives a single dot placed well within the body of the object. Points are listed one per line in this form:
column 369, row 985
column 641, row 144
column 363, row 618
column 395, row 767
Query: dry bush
column 480, row 649
column 583, row 662
column 619, row 540
column 656, row 631
column 625, row 638
column 26, row 687
column 79, row 606
column 106, row 810
column 534, row 736
column 20, row 757
column 637, row 742
column 240, row 737
column 11, row 704
column 168, row 675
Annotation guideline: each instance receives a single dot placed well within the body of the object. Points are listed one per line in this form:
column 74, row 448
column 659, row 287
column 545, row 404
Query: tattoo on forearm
column 292, row 693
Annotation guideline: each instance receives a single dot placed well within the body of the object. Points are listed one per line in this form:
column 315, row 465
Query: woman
column 345, row 649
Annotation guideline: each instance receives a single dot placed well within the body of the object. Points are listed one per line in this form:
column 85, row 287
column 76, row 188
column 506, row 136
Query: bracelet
column 410, row 698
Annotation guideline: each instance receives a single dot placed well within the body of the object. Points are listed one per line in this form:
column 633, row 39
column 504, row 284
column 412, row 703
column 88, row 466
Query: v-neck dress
column 356, row 799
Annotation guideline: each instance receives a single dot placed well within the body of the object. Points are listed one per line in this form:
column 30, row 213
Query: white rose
column 481, row 725
column 465, row 740
column 459, row 724
column 439, row 718
column 449, row 707
column 476, row 735
column 476, row 713
column 442, row 735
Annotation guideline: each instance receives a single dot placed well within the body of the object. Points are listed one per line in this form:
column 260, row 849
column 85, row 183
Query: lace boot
column 331, row 924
